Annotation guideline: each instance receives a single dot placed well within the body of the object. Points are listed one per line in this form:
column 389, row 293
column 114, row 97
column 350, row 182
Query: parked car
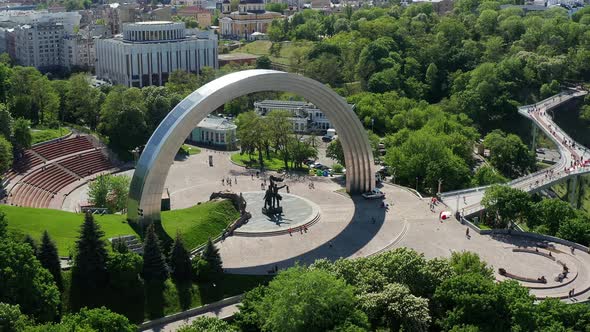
column 327, row 138
column 374, row 194
column 316, row 165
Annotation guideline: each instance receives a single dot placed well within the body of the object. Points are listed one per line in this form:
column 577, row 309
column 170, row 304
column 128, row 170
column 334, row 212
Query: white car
column 374, row 194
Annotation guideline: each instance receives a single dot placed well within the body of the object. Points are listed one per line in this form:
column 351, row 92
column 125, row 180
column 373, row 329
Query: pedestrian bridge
column 574, row 158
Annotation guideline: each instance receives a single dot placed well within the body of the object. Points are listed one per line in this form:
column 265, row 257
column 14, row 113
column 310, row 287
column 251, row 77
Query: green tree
column 3, row 225
column 549, row 89
column 5, row 155
column 122, row 118
column 5, row 122
column 49, row 259
column 211, row 255
column 109, row 191
column 208, row 324
column 154, row 265
column 396, row 308
column 45, row 101
column 89, row 271
column 182, row 82
column 487, row 175
column 126, row 286
column 99, row 319
column 335, row 152
column 11, row 319
column 83, row 102
column 253, row 134
column 19, row 91
column 550, row 213
column 469, row 262
column 576, row 229
column 22, row 138
column 32, row 243
column 300, row 299
column 508, row 154
column 180, row 262
column 470, row 299
column 25, row 282
column 159, row 102
column 263, row 62
column 505, row 205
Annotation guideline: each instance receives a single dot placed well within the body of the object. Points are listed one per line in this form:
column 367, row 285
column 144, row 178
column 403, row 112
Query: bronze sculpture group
column 272, row 198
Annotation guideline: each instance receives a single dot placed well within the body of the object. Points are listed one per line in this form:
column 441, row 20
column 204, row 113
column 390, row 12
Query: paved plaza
column 354, row 227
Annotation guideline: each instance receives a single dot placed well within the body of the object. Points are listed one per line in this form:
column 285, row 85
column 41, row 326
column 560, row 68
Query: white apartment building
column 38, row 45
column 306, row 117
column 79, row 51
column 148, row 52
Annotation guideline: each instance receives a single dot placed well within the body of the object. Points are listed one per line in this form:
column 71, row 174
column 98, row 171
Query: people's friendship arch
column 152, row 168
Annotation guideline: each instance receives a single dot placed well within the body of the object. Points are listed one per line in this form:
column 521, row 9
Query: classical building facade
column 251, row 17
column 306, row 117
column 148, row 52
column 215, row 131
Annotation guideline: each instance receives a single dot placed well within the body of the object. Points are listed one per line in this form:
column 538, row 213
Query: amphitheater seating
column 64, row 147
column 39, row 187
column 29, row 195
column 87, row 163
column 51, row 178
column 26, row 162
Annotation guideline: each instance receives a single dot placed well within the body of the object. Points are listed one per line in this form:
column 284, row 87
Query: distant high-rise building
column 148, row 52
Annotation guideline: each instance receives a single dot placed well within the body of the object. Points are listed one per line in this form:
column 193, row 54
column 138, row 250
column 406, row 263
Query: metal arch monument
column 152, row 167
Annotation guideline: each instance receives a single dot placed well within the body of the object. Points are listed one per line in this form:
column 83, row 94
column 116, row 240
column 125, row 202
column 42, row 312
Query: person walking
column 467, row 233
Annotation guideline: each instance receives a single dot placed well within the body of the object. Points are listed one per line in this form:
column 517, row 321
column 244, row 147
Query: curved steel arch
column 152, row 168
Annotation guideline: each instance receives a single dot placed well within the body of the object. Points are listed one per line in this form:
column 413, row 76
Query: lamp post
column 416, row 183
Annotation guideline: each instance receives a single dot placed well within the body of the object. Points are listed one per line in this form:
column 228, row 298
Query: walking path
column 571, row 163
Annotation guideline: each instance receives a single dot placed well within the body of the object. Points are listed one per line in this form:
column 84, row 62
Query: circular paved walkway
column 353, row 227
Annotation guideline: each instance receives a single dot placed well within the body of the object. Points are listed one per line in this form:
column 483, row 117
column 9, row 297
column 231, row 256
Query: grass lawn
column 273, row 164
column 42, row 135
column 196, row 223
column 191, row 149
column 262, row 47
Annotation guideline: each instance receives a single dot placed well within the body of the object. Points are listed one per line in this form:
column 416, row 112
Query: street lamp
column 416, row 183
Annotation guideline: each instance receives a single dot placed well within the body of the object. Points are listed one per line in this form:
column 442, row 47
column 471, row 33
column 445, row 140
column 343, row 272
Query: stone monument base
column 270, row 211
column 296, row 212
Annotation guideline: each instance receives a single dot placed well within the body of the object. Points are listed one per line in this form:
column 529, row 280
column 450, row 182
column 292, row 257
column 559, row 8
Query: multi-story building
column 306, row 117
column 148, row 52
column 38, row 45
column 251, row 17
column 79, row 51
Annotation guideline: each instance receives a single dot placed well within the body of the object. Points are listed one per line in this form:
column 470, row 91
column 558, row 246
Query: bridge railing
column 547, row 103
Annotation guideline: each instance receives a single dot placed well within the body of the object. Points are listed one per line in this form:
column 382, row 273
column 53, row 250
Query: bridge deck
column 571, row 163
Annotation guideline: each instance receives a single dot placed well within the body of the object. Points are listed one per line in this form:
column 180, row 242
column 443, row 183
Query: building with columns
column 215, row 132
column 251, row 17
column 148, row 52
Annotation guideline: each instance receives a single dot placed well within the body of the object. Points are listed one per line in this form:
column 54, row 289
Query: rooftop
column 214, row 122
column 284, row 103
column 153, row 22
column 236, row 56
